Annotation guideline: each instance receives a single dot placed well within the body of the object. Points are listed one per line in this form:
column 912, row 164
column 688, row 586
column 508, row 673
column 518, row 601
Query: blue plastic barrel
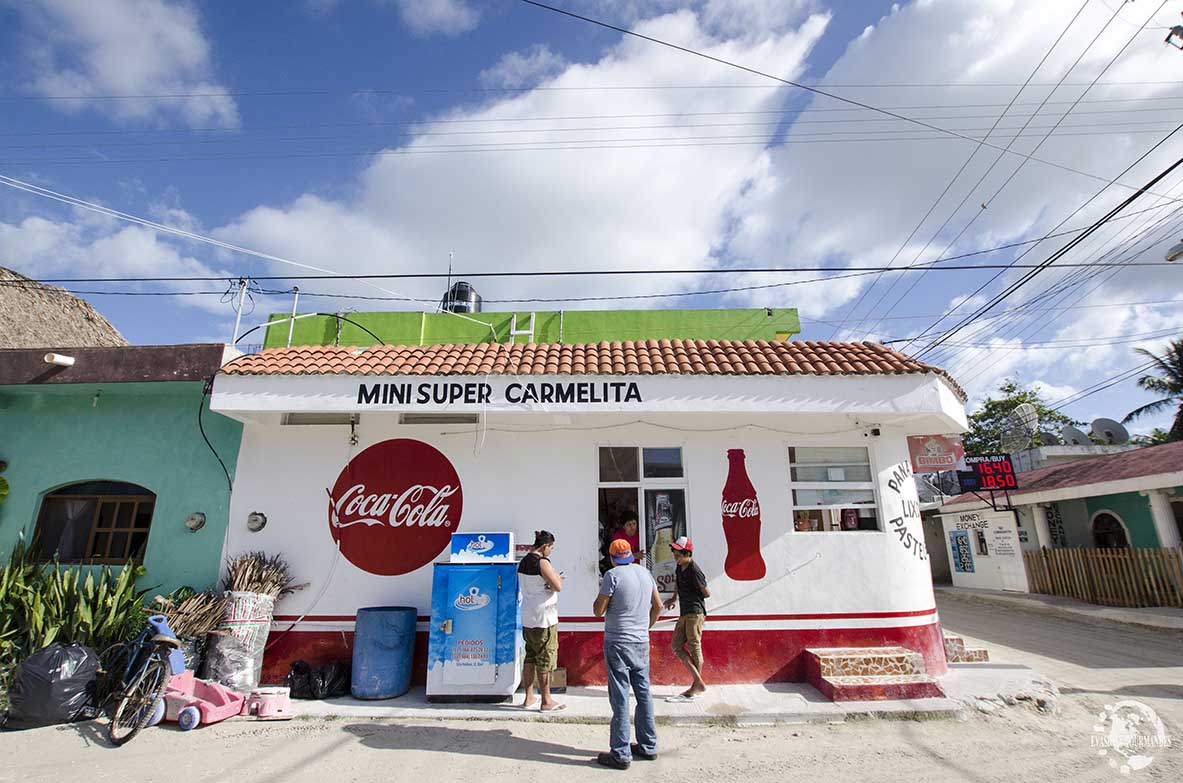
column 383, row 647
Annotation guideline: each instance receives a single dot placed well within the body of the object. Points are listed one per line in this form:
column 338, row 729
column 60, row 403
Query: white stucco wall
column 523, row 481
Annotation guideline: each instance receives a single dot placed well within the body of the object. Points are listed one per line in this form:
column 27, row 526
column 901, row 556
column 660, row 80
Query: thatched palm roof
column 35, row 315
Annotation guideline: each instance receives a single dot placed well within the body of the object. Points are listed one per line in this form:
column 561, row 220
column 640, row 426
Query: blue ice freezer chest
column 475, row 643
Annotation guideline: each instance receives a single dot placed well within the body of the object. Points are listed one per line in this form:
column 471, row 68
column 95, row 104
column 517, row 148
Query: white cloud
column 650, row 203
column 101, row 247
column 438, row 17
column 82, row 50
column 518, row 69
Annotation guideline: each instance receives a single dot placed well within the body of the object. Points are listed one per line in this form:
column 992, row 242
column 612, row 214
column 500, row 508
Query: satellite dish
column 1074, row 437
column 1027, row 414
column 1019, row 427
column 1175, row 253
column 1048, row 438
column 1110, row 431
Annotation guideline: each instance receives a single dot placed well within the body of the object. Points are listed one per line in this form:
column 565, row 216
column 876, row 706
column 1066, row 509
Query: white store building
column 364, row 460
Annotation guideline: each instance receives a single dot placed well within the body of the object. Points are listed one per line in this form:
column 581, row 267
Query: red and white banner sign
column 395, row 506
column 936, row 453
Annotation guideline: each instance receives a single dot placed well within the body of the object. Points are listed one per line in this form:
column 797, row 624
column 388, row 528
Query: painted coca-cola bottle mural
column 395, row 506
column 741, row 522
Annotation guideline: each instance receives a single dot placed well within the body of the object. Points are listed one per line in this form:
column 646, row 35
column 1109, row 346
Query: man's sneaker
column 608, row 760
column 642, row 755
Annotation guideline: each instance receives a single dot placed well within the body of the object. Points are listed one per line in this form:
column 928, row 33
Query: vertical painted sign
column 963, row 558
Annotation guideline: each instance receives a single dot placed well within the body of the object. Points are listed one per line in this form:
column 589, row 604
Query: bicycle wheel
column 114, row 663
column 138, row 701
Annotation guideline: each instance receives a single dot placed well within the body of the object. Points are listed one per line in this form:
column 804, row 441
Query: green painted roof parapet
column 556, row 326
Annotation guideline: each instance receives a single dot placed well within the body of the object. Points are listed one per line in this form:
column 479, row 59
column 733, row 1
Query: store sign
column 435, row 393
column 395, row 506
column 936, row 453
column 482, row 548
column 987, row 472
column 963, row 558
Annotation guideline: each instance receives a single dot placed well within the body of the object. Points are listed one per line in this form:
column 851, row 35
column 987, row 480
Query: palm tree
column 1168, row 383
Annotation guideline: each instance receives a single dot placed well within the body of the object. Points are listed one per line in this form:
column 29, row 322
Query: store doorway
column 642, row 497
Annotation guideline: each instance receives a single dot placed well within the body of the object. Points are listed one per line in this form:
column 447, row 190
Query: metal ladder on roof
column 515, row 333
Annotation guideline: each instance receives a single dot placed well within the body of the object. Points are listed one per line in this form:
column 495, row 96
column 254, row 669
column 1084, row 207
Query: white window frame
column 642, row 484
column 872, row 485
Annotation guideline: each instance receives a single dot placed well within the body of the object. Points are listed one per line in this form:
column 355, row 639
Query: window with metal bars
column 95, row 522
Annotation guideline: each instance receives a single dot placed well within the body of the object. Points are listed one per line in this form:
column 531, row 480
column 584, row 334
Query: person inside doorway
column 540, row 585
column 692, row 592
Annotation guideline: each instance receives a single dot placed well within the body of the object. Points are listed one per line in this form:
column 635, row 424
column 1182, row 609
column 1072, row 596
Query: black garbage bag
column 330, row 681
column 54, row 685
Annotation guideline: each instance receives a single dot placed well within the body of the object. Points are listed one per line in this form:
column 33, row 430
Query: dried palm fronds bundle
column 256, row 572
column 192, row 614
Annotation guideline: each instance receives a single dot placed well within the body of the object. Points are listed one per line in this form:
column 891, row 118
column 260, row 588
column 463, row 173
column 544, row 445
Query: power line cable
column 985, row 204
column 1058, row 254
column 789, row 82
column 1100, row 386
column 953, row 180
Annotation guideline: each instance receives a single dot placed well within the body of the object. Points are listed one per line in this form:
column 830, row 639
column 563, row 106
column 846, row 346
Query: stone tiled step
column 957, row 652
column 864, row 661
column 900, row 686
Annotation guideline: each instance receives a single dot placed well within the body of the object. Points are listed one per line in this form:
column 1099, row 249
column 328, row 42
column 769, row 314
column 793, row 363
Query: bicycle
column 138, row 673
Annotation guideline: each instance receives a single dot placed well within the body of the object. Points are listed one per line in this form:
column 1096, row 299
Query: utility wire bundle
column 256, row 572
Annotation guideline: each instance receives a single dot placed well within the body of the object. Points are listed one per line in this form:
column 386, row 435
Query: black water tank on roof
column 461, row 298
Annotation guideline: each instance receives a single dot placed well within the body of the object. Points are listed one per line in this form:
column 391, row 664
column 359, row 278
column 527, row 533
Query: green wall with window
column 1134, row 510
column 141, row 433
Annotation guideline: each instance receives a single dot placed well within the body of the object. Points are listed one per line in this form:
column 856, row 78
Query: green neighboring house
column 106, row 462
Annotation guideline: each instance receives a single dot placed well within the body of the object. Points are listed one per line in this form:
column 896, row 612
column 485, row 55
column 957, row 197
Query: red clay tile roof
column 642, row 357
column 1150, row 461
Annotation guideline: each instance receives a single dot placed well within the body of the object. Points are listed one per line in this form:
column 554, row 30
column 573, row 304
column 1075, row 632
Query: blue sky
column 284, row 105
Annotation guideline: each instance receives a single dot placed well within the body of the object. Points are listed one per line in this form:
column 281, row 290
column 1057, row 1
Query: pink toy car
column 269, row 704
column 191, row 702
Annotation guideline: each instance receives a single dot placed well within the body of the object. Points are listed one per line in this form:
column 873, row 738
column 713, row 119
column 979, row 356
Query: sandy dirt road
column 1093, row 664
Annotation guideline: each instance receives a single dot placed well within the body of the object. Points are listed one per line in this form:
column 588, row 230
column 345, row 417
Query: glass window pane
column 619, row 464
column 832, row 497
column 123, row 518
column 665, row 520
column 829, row 455
column 617, row 505
column 139, row 541
column 663, row 463
column 64, row 528
column 99, row 550
column 143, row 515
column 833, row 473
column 118, row 546
column 106, row 515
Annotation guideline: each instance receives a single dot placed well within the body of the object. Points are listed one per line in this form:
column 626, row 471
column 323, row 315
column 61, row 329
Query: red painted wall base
column 731, row 656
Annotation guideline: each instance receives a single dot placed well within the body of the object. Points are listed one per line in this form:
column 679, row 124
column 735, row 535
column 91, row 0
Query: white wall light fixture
column 195, row 521
column 256, row 521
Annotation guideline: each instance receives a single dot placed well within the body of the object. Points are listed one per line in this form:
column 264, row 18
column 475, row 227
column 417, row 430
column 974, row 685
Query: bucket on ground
column 383, row 647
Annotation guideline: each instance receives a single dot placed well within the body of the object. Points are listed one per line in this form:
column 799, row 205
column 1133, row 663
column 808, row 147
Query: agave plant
column 45, row 603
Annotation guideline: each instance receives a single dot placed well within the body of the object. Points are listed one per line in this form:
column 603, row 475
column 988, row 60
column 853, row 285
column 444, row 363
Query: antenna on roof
column 1020, row 427
column 1110, row 431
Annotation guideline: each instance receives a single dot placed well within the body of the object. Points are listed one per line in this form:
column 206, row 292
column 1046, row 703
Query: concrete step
column 864, row 661
column 879, row 688
column 957, row 652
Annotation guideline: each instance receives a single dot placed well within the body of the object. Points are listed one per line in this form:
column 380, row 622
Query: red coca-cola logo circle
column 395, row 506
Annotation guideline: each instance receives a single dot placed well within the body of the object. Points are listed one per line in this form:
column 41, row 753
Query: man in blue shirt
column 630, row 604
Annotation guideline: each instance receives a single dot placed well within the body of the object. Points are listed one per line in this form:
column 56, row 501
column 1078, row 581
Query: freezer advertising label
column 482, row 548
column 471, row 600
column 395, row 506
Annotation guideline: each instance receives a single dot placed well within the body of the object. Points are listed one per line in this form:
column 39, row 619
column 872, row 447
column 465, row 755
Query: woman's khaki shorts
column 542, row 648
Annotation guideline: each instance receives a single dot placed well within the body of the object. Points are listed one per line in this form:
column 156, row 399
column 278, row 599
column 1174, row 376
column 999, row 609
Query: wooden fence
column 1110, row 577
